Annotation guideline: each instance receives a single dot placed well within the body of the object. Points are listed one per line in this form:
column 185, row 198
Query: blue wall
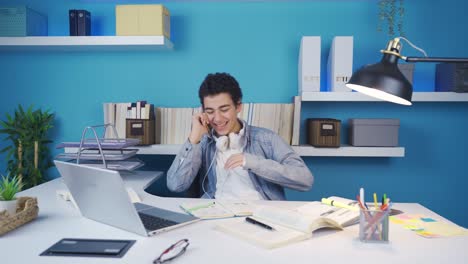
column 258, row 42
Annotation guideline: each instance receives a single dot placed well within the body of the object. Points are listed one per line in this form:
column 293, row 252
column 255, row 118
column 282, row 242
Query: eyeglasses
column 173, row 251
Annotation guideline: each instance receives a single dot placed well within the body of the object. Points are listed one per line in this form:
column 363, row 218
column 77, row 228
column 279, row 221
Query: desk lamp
column 385, row 81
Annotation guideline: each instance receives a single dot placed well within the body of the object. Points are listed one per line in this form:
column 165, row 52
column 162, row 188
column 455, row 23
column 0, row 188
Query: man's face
column 222, row 113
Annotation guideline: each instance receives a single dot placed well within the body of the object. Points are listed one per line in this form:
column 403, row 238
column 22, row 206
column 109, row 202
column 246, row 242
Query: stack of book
column 173, row 125
column 117, row 113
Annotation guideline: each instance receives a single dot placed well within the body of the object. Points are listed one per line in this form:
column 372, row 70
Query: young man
column 231, row 159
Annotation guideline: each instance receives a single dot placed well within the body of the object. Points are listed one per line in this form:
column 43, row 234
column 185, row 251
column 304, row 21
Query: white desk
column 59, row 219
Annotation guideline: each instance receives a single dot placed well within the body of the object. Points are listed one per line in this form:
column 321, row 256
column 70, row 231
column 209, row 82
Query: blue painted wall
column 258, row 42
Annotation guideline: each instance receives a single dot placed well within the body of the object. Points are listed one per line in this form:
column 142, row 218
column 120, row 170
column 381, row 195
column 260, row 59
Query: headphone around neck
column 232, row 141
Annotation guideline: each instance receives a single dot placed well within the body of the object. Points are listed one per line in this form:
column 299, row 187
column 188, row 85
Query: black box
column 83, row 25
column 72, row 21
column 451, row 77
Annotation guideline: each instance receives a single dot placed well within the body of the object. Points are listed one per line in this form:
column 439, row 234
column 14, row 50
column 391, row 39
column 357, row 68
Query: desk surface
column 59, row 219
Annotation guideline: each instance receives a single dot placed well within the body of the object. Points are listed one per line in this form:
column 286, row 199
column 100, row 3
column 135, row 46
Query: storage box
column 142, row 129
column 323, row 132
column 451, row 77
column 21, row 21
column 142, row 20
column 378, row 132
column 408, row 70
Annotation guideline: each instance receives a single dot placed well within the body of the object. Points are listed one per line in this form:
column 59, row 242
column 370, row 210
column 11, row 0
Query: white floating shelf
column 349, row 151
column 86, row 43
column 305, row 151
column 359, row 97
column 159, row 149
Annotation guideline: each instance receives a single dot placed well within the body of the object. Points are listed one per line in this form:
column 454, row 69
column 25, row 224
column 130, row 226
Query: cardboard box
column 21, row 21
column 374, row 132
column 142, row 20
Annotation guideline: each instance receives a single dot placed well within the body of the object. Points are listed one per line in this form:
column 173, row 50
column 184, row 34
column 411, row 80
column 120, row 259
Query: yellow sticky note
column 444, row 229
column 397, row 221
column 426, row 234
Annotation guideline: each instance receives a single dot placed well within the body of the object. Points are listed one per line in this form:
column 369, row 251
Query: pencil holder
column 373, row 225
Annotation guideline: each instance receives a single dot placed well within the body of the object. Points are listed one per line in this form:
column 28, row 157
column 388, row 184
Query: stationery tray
column 26, row 211
column 125, row 165
column 95, row 154
column 105, row 143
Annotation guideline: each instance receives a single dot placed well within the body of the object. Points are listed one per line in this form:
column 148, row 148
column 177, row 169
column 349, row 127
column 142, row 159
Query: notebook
column 287, row 226
column 218, row 209
column 100, row 195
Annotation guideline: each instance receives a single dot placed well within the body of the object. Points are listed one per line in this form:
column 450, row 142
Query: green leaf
column 9, row 186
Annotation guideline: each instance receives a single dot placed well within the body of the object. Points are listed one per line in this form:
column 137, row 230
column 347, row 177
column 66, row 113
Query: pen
column 256, row 222
column 361, row 194
column 375, row 202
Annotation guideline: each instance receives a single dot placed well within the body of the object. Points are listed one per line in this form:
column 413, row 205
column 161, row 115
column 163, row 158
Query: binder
column 309, row 64
column 72, row 21
column 340, row 64
column 83, row 23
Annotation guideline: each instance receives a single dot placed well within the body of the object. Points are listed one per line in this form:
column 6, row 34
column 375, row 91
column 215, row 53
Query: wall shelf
column 359, row 97
column 86, row 43
column 305, row 151
column 350, row 151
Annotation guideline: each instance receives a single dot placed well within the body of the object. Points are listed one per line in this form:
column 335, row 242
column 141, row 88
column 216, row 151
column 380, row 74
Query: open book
column 288, row 226
column 218, row 209
column 353, row 205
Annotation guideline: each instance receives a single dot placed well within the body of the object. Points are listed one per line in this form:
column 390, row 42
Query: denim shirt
column 271, row 163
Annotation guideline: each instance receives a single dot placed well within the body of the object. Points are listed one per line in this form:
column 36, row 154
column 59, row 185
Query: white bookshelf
column 350, row 151
column 86, row 43
column 359, row 97
column 305, row 151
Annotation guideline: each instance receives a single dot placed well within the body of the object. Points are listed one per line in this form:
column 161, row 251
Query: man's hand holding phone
column 200, row 126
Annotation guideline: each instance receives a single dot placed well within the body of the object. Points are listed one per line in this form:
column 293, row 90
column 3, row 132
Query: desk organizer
column 26, row 211
column 373, row 225
column 109, row 153
column 142, row 129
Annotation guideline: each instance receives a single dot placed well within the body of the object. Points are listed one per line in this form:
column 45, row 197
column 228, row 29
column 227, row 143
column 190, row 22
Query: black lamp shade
column 383, row 80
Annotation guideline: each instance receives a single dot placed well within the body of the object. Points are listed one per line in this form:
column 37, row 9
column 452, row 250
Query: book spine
column 72, row 22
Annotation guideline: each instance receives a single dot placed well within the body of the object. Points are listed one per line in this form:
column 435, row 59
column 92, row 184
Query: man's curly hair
column 216, row 83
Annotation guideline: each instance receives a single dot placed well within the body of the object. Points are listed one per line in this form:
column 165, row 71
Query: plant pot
column 10, row 206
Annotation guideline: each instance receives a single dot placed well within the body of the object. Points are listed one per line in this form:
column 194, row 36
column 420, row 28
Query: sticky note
column 397, row 221
column 413, row 227
column 427, row 219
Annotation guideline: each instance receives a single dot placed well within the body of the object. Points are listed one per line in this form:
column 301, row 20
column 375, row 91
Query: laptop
column 101, row 196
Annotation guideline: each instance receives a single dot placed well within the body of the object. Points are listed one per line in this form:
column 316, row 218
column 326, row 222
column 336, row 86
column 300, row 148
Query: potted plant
column 9, row 187
column 391, row 15
column 28, row 154
column 391, row 20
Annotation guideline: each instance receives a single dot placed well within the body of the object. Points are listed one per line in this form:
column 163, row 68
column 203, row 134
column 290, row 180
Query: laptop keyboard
column 154, row 223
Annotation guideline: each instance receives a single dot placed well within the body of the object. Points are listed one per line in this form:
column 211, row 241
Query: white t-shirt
column 233, row 184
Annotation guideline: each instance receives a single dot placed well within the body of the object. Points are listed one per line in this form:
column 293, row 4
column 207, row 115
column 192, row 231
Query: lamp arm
column 435, row 59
